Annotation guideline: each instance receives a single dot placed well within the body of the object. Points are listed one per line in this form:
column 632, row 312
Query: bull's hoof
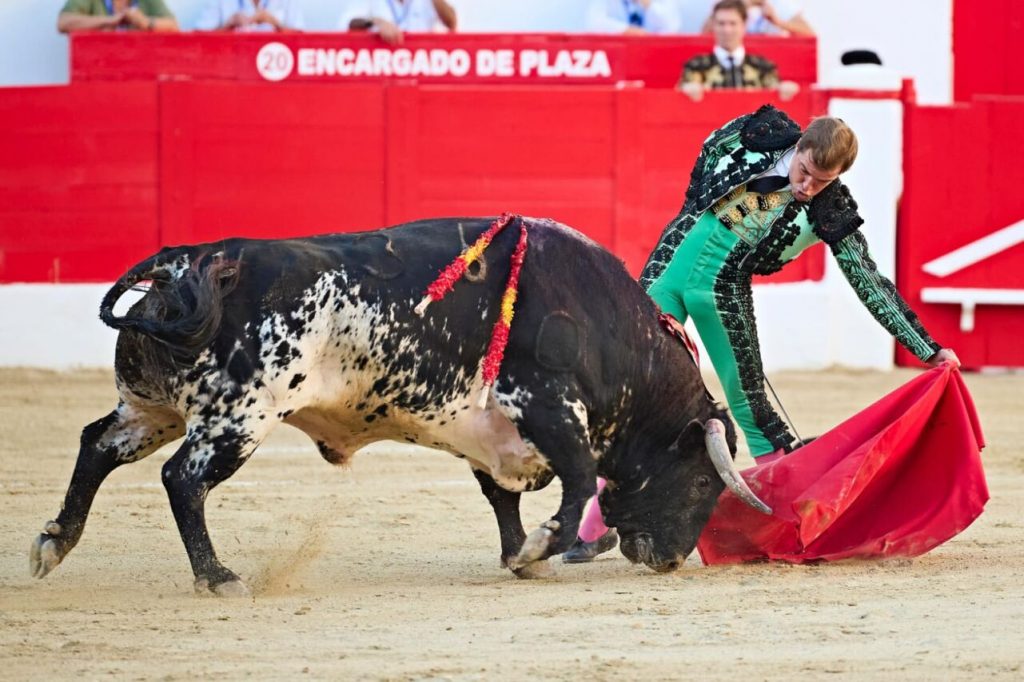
column 45, row 553
column 230, row 589
column 534, row 549
column 535, row 571
column 233, row 589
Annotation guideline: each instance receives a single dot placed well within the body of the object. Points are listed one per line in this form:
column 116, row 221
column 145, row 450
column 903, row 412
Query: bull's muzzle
column 639, row 549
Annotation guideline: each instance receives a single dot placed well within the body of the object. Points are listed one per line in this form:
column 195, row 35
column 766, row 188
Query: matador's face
column 806, row 179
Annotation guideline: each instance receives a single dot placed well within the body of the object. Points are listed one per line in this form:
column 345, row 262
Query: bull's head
column 660, row 507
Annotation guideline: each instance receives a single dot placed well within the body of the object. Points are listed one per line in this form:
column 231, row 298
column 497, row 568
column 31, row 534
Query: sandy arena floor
column 389, row 570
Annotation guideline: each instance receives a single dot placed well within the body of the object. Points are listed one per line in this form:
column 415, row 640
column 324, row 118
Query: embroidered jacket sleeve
column 836, row 221
column 880, row 297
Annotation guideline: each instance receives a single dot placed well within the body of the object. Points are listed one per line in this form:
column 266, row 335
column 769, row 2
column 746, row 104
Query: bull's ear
column 691, row 438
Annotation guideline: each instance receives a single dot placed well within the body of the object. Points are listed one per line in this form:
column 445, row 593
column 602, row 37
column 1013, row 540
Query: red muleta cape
column 897, row 479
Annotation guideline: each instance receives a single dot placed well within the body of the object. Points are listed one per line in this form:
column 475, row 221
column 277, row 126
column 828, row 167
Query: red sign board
column 319, row 60
column 460, row 58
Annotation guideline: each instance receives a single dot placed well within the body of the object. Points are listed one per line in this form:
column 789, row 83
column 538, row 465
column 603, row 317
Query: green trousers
column 702, row 282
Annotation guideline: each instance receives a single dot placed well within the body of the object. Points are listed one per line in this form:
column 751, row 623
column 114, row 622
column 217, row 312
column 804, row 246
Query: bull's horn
column 718, row 449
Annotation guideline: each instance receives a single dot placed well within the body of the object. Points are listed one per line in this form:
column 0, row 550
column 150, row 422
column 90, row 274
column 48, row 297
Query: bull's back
column 349, row 298
column 578, row 311
column 397, row 263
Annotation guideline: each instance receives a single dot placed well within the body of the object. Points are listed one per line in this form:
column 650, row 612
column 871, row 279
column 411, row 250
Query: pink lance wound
column 447, row 278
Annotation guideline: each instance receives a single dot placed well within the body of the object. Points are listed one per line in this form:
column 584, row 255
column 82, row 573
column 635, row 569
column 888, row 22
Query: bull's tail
column 188, row 289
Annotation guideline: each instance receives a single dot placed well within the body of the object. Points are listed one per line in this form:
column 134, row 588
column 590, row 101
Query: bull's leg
column 561, row 438
column 211, row 453
column 127, row 434
column 506, row 511
column 510, row 525
column 557, row 534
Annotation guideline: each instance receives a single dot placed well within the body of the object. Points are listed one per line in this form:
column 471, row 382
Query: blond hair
column 833, row 145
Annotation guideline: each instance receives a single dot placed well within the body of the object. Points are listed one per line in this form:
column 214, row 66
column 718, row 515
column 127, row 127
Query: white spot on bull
column 177, row 267
column 198, row 459
column 580, row 411
column 512, row 404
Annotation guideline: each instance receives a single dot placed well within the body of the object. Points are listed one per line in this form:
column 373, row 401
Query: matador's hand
column 944, row 355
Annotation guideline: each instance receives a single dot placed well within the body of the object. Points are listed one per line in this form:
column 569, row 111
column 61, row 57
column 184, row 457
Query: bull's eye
column 703, row 481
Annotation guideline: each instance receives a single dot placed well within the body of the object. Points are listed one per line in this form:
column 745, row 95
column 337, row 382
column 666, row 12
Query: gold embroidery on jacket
column 749, row 214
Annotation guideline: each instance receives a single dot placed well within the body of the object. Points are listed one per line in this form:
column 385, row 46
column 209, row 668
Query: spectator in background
column 115, row 15
column 694, row 16
column 729, row 65
column 633, row 17
column 393, row 18
column 773, row 17
column 251, row 16
column 780, row 17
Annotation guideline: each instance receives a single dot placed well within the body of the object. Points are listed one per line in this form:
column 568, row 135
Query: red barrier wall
column 280, row 161
column 127, row 168
column 988, row 48
column 78, row 181
column 961, row 184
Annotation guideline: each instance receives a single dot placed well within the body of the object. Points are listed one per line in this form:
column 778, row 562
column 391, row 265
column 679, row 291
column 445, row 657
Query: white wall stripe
column 976, row 251
column 969, row 299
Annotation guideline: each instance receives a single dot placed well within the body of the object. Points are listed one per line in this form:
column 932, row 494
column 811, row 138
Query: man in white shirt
column 251, row 16
column 633, row 17
column 391, row 19
column 694, row 15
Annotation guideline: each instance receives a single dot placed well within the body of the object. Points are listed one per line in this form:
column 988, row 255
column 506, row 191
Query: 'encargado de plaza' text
column 484, row 63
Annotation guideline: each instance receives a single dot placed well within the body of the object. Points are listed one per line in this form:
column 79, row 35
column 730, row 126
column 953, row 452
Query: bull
column 322, row 333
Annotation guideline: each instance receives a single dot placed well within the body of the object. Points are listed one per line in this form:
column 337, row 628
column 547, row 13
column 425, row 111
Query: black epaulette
column 700, row 62
column 834, row 213
column 760, row 63
column 769, row 130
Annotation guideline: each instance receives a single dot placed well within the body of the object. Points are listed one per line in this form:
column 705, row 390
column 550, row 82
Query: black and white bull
column 320, row 333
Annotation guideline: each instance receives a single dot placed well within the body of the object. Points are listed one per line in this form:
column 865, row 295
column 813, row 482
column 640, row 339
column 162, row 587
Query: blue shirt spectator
column 633, row 16
column 694, row 15
column 251, row 15
column 777, row 17
column 392, row 18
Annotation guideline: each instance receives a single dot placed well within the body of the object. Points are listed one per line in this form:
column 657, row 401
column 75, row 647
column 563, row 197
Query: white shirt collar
column 781, row 167
column 722, row 55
